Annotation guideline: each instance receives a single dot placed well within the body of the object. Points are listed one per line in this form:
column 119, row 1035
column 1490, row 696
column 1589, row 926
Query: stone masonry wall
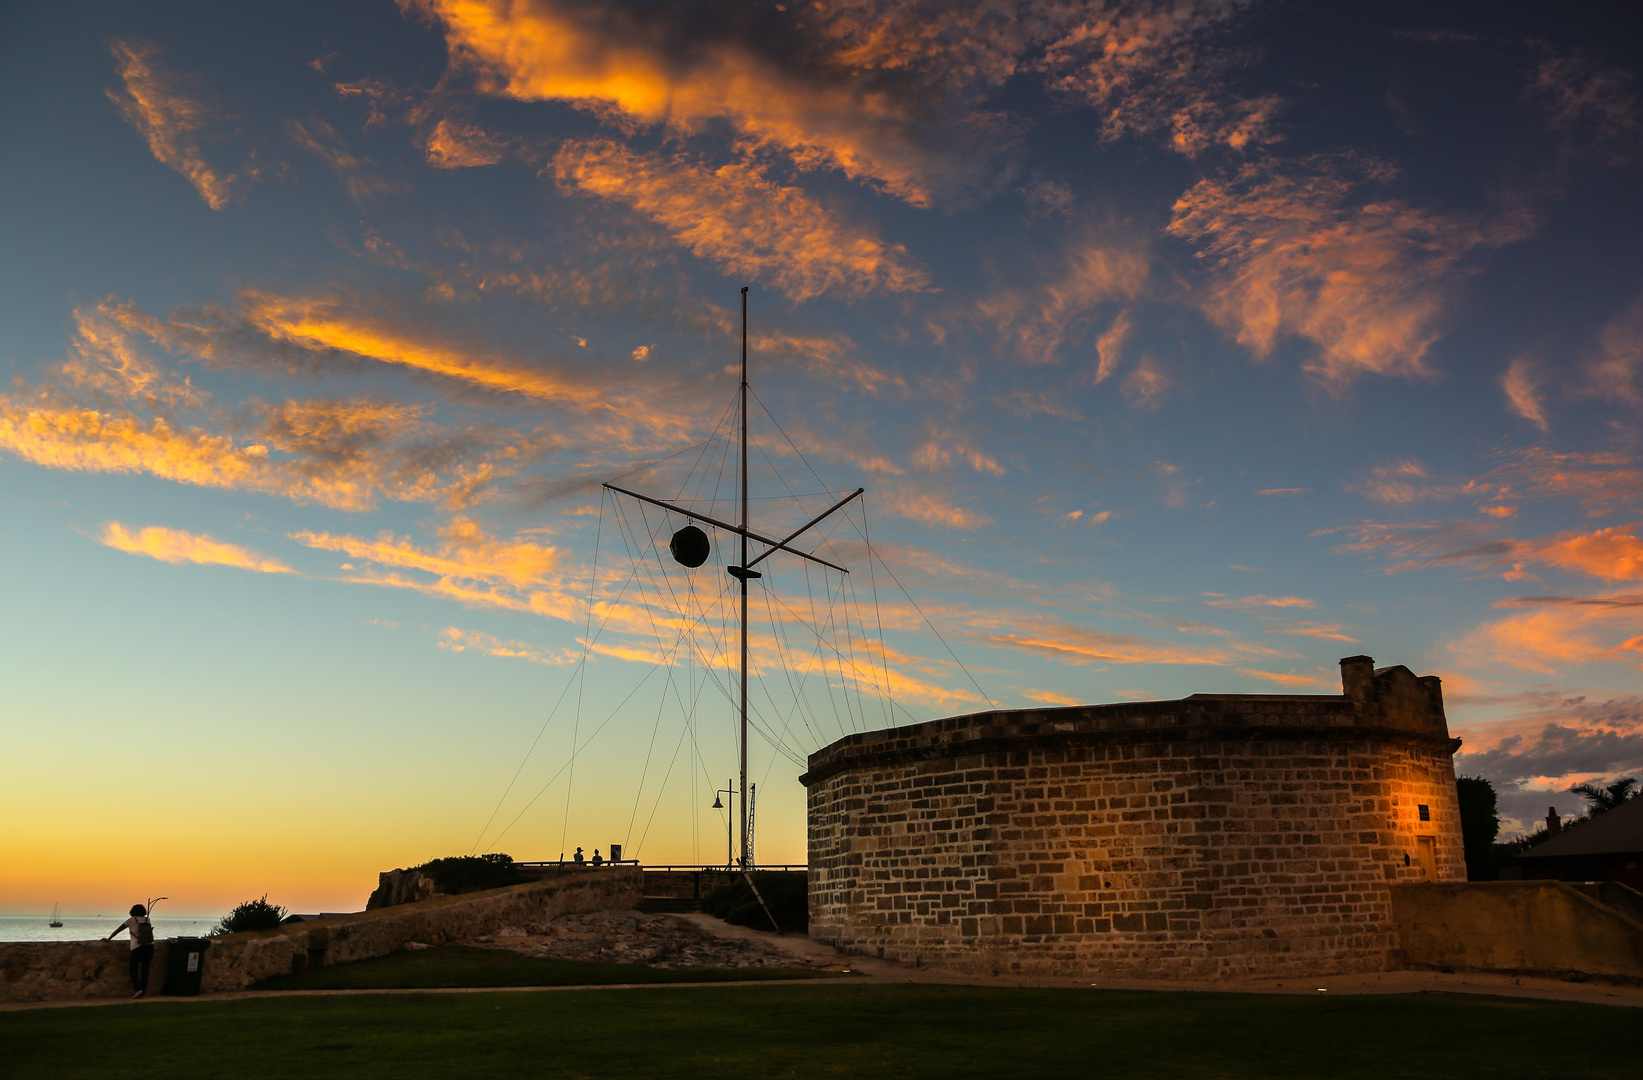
column 47, row 971
column 1213, row 836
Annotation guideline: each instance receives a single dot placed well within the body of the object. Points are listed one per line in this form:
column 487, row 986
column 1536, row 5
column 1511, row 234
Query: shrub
column 786, row 893
column 251, row 915
column 473, row 873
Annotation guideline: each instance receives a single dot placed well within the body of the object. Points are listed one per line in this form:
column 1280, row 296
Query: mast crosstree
column 743, row 572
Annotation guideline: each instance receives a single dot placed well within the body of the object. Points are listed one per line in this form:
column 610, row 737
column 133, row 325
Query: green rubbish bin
column 184, row 965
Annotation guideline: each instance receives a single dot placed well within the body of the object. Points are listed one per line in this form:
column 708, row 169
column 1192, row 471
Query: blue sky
column 1179, row 347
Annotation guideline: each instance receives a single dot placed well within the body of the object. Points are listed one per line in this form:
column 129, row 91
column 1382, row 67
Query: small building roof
column 1613, row 832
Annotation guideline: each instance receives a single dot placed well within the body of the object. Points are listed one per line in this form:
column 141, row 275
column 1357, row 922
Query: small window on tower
column 1425, row 812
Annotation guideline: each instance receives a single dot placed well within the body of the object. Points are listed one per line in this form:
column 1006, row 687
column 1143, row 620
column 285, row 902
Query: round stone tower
column 1217, row 835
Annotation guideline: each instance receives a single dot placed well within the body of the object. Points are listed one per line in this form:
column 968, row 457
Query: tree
column 1479, row 825
column 1607, row 797
column 251, row 915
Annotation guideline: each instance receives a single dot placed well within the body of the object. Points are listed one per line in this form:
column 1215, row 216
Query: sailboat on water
column 56, row 915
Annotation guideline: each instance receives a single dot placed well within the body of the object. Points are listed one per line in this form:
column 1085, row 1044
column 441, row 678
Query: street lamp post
column 730, row 843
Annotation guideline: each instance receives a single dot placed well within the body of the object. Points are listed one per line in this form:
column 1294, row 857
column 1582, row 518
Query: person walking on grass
column 142, row 947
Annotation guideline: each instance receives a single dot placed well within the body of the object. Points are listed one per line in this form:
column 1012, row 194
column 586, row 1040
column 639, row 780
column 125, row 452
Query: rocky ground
column 633, row 937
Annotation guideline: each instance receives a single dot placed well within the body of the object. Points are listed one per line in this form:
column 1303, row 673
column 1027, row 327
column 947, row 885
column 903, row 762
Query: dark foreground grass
column 463, row 965
column 823, row 1030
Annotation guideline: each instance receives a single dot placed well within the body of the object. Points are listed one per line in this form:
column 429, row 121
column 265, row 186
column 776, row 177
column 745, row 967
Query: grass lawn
column 464, row 965
column 825, row 1030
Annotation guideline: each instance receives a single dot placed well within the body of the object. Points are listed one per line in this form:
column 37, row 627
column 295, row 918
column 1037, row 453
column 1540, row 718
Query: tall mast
column 691, row 556
column 745, row 865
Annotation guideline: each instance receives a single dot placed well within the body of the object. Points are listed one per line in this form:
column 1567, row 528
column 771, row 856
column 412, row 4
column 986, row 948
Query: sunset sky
column 1180, row 348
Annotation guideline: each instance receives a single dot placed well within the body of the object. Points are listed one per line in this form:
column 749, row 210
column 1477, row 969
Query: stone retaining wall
column 1215, row 836
column 48, row 971
column 1517, row 927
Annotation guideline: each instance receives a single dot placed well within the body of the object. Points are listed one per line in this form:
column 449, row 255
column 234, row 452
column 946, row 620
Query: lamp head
column 717, row 805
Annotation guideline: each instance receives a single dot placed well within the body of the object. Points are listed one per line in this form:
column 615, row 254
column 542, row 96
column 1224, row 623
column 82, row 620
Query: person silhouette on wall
column 142, row 947
column 577, row 858
column 597, row 861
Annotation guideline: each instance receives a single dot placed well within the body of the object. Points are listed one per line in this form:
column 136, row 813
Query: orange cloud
column 1601, row 481
column 1035, row 324
column 1321, row 631
column 453, row 144
column 356, row 173
column 1614, row 554
column 613, row 64
column 454, row 639
column 942, row 449
column 1145, row 386
column 106, row 359
column 1523, row 392
column 1620, row 355
column 735, row 217
column 71, row 437
column 465, row 553
column 156, row 105
column 1050, row 697
column 176, row 546
column 1301, row 248
column 1258, row 603
column 331, row 324
column 932, row 508
column 1292, row 679
column 1081, row 645
column 1555, row 633
column 1156, row 69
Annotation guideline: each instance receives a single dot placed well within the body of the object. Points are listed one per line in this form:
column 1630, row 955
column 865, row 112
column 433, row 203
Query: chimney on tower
column 1554, row 824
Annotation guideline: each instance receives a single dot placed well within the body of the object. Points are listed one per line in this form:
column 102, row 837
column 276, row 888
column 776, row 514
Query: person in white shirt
column 142, row 947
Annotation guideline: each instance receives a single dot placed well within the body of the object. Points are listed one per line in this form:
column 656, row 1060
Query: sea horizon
column 91, row 927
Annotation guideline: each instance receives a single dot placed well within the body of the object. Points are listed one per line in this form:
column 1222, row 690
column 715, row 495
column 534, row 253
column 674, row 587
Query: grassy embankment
column 467, row 966
column 824, row 1030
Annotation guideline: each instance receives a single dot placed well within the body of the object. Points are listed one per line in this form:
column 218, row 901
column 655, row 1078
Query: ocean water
column 80, row 928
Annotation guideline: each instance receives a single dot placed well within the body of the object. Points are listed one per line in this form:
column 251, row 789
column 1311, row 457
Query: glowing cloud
column 733, row 216
column 176, row 546
column 1154, row 69
column 332, row 324
column 156, row 105
column 620, row 66
column 455, row 639
column 1523, row 392
column 1297, row 248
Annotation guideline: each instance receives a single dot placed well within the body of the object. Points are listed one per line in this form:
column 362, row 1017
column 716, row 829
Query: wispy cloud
column 176, row 546
column 1523, row 392
column 455, row 639
column 1619, row 362
column 156, row 102
column 358, row 174
column 1037, row 325
column 671, row 68
column 1257, row 603
column 1151, row 69
column 734, row 216
column 1292, row 679
column 466, row 553
column 1312, row 247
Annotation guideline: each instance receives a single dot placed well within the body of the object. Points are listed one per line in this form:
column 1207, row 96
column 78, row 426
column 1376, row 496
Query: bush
column 473, row 873
column 786, row 893
column 251, row 915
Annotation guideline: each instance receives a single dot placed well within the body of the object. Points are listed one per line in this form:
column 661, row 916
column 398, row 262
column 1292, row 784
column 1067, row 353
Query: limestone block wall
column 1212, row 836
column 45, row 971
column 1520, row 927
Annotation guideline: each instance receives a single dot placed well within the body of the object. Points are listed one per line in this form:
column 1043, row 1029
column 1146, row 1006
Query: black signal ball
column 689, row 546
